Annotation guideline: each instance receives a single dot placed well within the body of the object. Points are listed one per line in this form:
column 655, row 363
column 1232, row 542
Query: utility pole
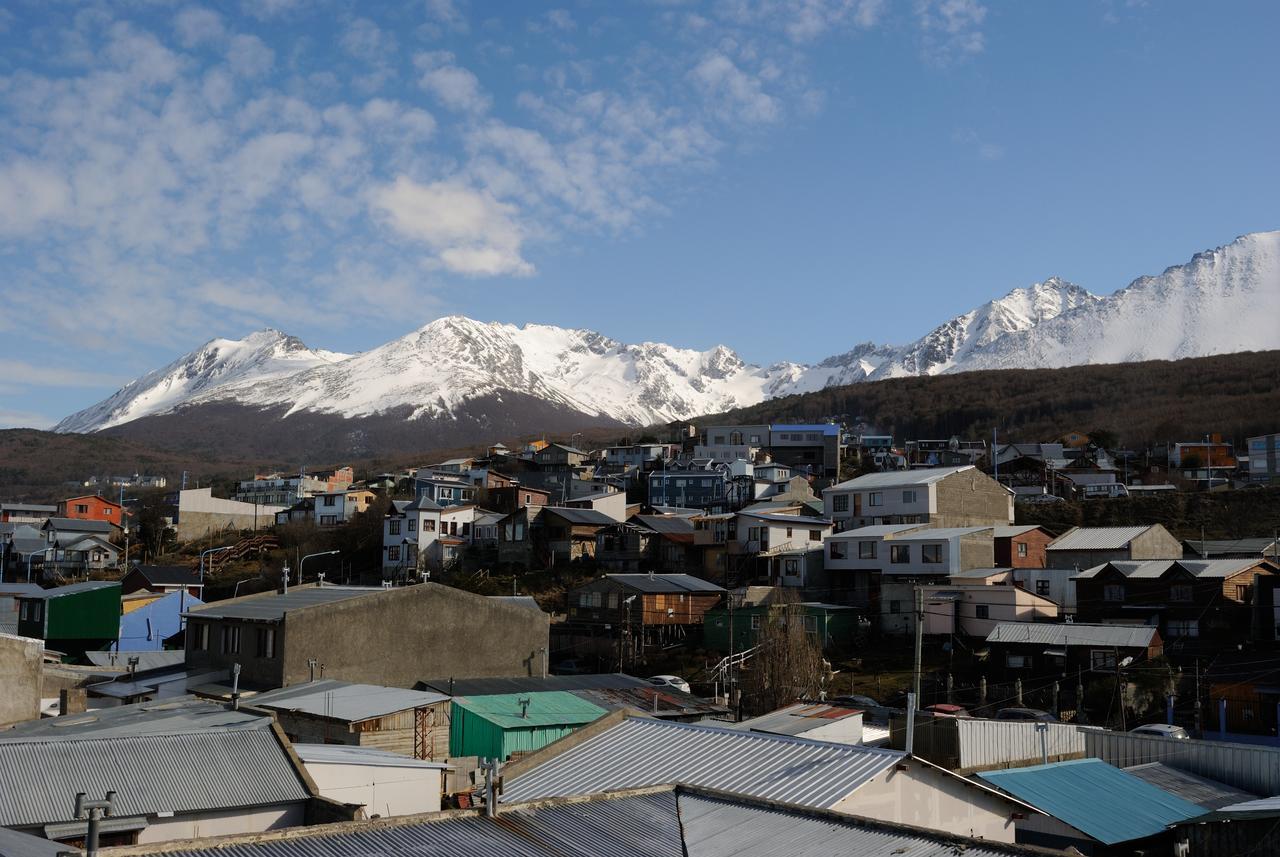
column 919, row 642
column 1198, row 701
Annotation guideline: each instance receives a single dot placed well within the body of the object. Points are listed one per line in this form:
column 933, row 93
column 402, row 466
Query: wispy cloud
column 951, row 30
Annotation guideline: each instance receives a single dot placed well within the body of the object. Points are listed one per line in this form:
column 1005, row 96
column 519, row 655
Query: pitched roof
column 899, row 478
column 526, row 684
column 641, row 751
column 346, row 754
column 1097, row 538
column 72, row 589
column 1097, row 799
column 79, row 525
column 937, row 533
column 1156, row 568
column 1201, row 791
column 665, row 582
column 168, row 575
column 583, row 517
column 1011, row 531
column 877, row 531
column 341, row 700
column 798, row 719
column 548, row 708
column 668, row 525
column 276, row 605
column 1075, row 634
column 797, row 520
column 1230, row 547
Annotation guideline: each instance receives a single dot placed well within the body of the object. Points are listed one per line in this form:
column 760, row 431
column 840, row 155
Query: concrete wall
column 384, row 791
column 971, row 498
column 22, row 677
column 224, row 822
column 1156, row 543
column 403, row 635
column 201, row 514
column 925, row 796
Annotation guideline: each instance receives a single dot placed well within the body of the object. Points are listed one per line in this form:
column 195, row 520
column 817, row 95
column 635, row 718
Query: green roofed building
column 72, row 619
column 495, row 727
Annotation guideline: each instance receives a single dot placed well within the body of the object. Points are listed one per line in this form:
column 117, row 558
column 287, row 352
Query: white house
column 423, row 535
column 857, row 561
column 611, row 503
column 335, row 508
column 939, row 496
column 385, row 784
column 764, row 534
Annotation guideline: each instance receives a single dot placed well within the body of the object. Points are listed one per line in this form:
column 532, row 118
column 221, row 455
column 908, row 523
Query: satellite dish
column 954, row 444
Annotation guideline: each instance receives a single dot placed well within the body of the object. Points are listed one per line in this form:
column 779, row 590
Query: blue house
column 146, row 629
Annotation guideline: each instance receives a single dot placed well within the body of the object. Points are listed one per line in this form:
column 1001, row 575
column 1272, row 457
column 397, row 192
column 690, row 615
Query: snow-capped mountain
column 218, row 367
column 471, row 373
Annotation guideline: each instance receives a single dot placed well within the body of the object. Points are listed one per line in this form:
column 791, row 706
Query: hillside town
column 808, row 631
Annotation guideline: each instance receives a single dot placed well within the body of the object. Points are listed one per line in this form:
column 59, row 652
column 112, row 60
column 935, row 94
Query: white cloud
column 25, row 419
column 366, row 40
column 196, row 25
column 456, row 88
column 951, row 29
column 734, row 93
column 249, row 56
column 554, row 20
column 471, row 232
column 445, row 14
column 33, row 193
column 20, row 372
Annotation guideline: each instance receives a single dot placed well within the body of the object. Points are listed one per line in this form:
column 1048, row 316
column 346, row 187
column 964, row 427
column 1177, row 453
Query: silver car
column 1161, row 730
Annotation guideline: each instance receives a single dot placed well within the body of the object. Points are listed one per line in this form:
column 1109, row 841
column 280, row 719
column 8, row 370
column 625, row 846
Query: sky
column 786, row 177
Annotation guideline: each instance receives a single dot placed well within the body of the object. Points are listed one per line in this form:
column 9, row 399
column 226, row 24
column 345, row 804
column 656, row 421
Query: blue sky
column 787, row 177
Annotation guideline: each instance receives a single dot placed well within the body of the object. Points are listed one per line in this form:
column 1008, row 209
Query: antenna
column 524, row 707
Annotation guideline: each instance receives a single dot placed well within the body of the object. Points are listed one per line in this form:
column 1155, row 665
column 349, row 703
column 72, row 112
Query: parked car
column 569, row 667
column 945, row 709
column 1161, row 730
column 673, row 681
column 855, row 700
column 1025, row 714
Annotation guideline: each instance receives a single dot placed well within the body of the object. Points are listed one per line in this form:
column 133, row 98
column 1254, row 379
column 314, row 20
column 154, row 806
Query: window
column 393, row 553
column 755, row 623
column 199, row 636
column 1042, row 588
column 931, row 553
column 895, row 606
column 788, row 532
column 413, row 525
column 1184, row 628
column 875, row 498
column 815, row 535
column 1017, row 662
column 811, row 624
column 838, row 550
column 82, row 509
column 428, row 526
column 840, row 503
column 330, row 500
column 899, row 553
column 1244, row 592
column 328, row 520
column 866, row 550
column 908, row 497
column 1113, row 592
column 1022, row 548
column 26, row 610
column 231, row 639
column 791, row 567
column 266, row 642
column 393, row 527
column 1180, row 592
column 613, row 601
column 1102, row 659
column 982, row 611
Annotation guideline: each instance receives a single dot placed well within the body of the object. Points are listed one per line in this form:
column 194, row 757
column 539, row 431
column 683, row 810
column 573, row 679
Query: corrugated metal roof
column 1156, row 568
column 934, row 534
column 797, row 719
column 898, row 478
column 1267, row 807
column 1228, row 547
column 1096, row 538
column 1095, row 798
column 979, row 573
column 582, row 517
column 797, row 520
column 342, row 700
column 665, row 582
column 15, row 844
column 1203, row 792
column 188, row 772
column 73, row 589
column 877, row 531
column 345, row 754
column 169, row 717
column 549, row 708
column 641, row 752
column 528, row 684
column 146, row 660
column 667, row 524
column 275, row 605
column 1076, row 634
column 1010, row 532
column 79, row 525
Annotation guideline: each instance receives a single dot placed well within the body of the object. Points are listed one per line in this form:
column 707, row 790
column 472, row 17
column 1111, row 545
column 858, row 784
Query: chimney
column 72, row 701
column 524, row 707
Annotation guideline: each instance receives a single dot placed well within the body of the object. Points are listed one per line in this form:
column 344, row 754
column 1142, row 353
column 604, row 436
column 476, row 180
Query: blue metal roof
column 146, row 628
column 825, row 428
column 1097, row 799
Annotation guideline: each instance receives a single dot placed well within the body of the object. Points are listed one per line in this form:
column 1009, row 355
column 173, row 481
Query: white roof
column 877, row 531
column 341, row 754
column 1010, row 532
column 1097, row 538
column 934, row 534
column 897, row 478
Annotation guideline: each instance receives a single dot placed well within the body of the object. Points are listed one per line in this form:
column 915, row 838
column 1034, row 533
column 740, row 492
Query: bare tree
column 788, row 664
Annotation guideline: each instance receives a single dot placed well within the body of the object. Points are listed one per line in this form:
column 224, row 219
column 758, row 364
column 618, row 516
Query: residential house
column 1093, row 807
column 1188, row 600
column 408, row 723
column 940, row 497
column 1263, row 457
column 422, row 536
column 70, row 554
column 499, row 726
column 937, row 452
column 694, row 484
column 570, row 534
column 1086, row 547
column 509, row 498
column 856, row 558
column 1260, row 548
column 639, row 455
column 19, row 545
column 836, row 724
column 156, row 625
column 1207, row 463
column 1021, row 546
column 885, row 785
column 387, row 636
column 753, row 436
column 26, row 513
column 559, row 456
column 611, row 503
column 835, row 626
column 810, row 449
column 861, row 562
column 72, row 619
column 335, row 508
column 161, row 579
column 178, row 770
column 663, row 543
column 443, row 490
column 1056, row 584
column 643, row 602
column 92, row 507
column 278, row 489
column 1035, row 649
column 385, row 785
column 973, row 609
column 303, row 510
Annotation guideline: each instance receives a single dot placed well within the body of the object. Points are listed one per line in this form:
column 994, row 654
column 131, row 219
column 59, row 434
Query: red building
column 91, row 507
column 1021, row 547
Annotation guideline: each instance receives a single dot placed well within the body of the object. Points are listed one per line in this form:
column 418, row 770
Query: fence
column 967, row 744
column 1247, row 767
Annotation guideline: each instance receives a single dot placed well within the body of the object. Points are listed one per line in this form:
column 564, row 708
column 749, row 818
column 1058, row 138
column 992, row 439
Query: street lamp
column 203, row 554
column 308, row 556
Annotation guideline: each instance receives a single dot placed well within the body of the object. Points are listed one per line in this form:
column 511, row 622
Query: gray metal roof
column 1156, row 568
column 179, row 716
column 1097, row 538
column 16, row 844
column 898, row 478
column 340, row 700
column 1232, row 547
column 643, row 752
column 1011, row 531
column 148, row 660
column 979, row 573
column 21, row 589
column 275, row 606
column 1076, row 634
column 797, row 520
column 345, row 754
column 73, row 589
column 877, row 531
column 934, row 534
column 665, row 582
column 526, row 684
column 192, row 770
column 79, row 525
column 1207, row 793
column 662, row 822
column 583, row 517
column 667, row 524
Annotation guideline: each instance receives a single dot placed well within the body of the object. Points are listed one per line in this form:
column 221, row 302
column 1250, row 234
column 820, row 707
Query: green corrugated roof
column 549, row 708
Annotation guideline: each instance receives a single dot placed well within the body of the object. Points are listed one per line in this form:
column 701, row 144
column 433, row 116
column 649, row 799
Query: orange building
column 91, row 507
